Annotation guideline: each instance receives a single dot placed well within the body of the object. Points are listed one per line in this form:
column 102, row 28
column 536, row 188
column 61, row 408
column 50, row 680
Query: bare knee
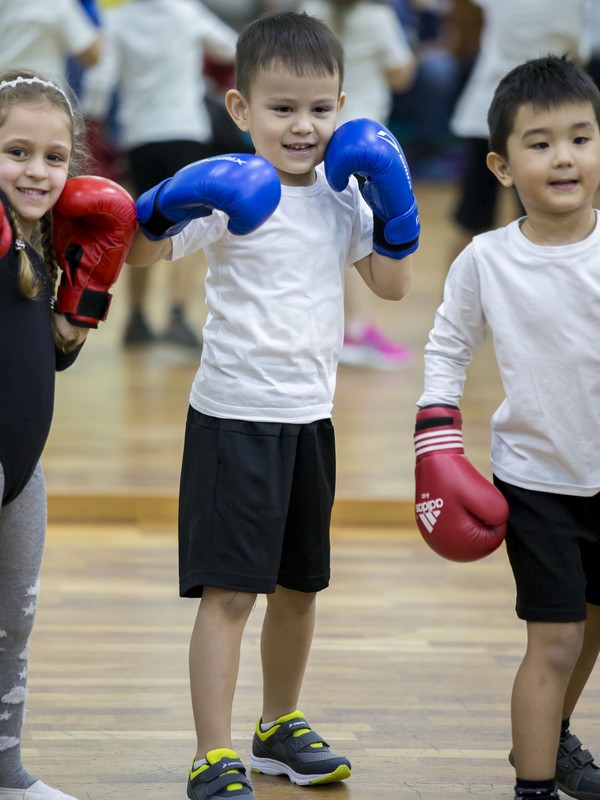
column 290, row 601
column 557, row 645
column 228, row 604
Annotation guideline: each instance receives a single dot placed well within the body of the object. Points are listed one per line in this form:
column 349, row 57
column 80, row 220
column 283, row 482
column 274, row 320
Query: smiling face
column 35, row 148
column 553, row 160
column 290, row 118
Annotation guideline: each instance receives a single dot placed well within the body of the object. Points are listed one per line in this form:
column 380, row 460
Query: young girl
column 39, row 151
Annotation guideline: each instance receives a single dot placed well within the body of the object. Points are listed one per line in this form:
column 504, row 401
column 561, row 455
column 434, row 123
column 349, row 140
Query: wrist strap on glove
column 382, row 243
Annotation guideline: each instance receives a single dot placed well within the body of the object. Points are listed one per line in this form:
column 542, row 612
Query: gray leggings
column 22, row 534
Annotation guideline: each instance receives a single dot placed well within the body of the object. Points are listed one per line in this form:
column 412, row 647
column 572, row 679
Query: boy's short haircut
column 294, row 41
column 543, row 83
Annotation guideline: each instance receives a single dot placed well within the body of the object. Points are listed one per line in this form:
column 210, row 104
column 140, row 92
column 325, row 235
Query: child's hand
column 69, row 336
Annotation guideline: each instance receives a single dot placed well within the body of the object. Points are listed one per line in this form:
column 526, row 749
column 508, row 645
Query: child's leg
column 539, row 695
column 214, row 664
column 284, row 743
column 22, row 532
column 287, row 634
column 585, row 662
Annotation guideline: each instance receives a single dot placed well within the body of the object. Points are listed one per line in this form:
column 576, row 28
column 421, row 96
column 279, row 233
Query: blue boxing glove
column 246, row 187
column 369, row 149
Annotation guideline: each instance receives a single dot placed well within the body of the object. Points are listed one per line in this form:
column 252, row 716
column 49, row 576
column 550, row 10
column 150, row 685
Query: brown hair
column 295, row 41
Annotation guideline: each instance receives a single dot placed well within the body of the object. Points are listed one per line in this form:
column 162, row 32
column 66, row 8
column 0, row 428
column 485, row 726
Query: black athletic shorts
column 255, row 505
column 152, row 163
column 553, row 544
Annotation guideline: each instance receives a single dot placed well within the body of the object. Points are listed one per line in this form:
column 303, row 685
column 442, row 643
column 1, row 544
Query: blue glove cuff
column 399, row 237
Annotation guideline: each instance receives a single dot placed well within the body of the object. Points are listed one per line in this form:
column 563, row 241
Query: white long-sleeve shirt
column 542, row 305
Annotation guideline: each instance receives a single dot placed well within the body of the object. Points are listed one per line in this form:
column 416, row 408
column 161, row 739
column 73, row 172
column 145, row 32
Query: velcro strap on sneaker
column 225, row 765
column 288, row 729
column 222, row 781
column 307, row 739
column 571, row 756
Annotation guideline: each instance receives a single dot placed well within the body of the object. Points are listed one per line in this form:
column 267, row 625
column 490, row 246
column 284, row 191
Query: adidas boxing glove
column 460, row 514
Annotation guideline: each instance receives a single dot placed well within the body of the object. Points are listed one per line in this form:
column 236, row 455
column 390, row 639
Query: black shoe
column 531, row 794
column 137, row 330
column 576, row 773
column 179, row 332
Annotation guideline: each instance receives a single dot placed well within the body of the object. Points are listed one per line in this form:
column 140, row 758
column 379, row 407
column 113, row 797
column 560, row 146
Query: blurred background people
column 444, row 36
column 43, row 34
column 378, row 62
column 153, row 57
column 512, row 32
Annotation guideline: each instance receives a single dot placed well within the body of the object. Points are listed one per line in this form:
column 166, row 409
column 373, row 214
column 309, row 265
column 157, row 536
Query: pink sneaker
column 371, row 348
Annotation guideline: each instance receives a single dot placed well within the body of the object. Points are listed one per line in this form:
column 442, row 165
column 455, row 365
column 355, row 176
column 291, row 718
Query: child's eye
column 17, row 152
column 283, row 109
column 539, row 146
column 56, row 158
column 581, row 139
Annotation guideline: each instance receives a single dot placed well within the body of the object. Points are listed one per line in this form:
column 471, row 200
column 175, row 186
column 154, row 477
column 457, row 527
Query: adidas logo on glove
column 428, row 512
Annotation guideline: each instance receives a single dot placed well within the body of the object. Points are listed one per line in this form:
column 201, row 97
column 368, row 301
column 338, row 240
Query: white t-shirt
column 513, row 31
column 153, row 51
column 543, row 307
column 274, row 329
column 373, row 41
column 41, row 34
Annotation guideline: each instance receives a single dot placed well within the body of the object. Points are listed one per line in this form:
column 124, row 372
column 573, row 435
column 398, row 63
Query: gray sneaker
column 292, row 748
column 223, row 777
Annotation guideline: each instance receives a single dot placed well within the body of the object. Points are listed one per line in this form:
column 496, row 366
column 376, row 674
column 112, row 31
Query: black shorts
column 480, row 191
column 255, row 505
column 553, row 544
column 152, row 163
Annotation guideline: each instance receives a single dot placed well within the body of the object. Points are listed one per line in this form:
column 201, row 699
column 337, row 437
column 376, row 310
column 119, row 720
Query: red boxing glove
column 460, row 514
column 93, row 224
column 6, row 234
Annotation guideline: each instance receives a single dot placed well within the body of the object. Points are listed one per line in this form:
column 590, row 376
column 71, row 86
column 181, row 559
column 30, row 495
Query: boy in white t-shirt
column 278, row 230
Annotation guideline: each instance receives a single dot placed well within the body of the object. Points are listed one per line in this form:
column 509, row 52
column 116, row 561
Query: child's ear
column 237, row 107
column 499, row 166
column 341, row 101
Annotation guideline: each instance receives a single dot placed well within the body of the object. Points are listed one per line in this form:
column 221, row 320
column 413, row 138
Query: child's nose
column 36, row 167
column 302, row 123
column 563, row 154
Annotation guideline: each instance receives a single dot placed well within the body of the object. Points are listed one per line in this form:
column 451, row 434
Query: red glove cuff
column 84, row 307
column 438, row 428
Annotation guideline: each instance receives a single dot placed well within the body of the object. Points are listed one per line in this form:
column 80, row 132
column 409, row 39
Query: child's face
column 553, row 159
column 290, row 119
column 35, row 148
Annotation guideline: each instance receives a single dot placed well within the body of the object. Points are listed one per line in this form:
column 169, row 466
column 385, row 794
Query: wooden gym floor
column 413, row 658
